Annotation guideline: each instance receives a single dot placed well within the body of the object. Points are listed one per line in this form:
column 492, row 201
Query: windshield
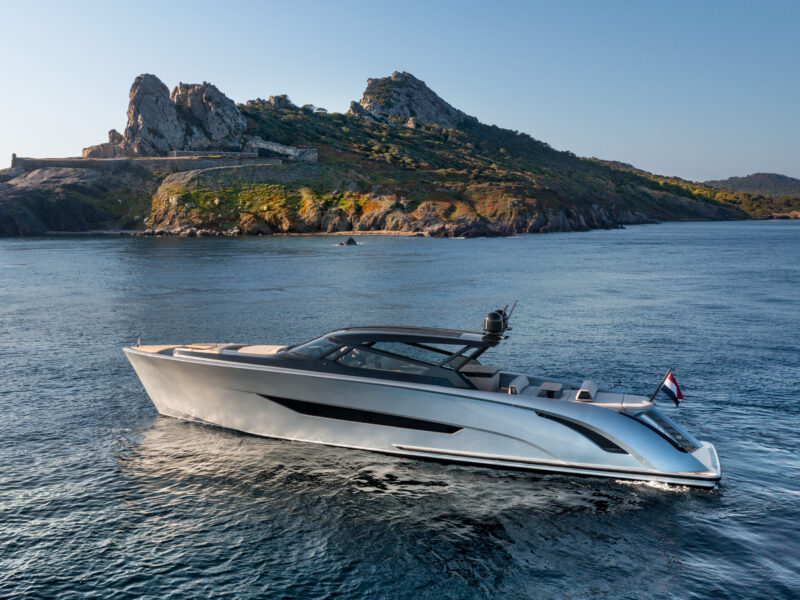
column 430, row 353
column 315, row 348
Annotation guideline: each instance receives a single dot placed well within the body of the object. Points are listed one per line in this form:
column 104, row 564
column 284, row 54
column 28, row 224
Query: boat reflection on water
column 175, row 460
column 192, row 490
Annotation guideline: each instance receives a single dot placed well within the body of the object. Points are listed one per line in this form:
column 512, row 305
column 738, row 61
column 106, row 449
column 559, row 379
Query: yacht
column 423, row 393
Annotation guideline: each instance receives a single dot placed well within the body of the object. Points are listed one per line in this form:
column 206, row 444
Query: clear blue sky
column 695, row 89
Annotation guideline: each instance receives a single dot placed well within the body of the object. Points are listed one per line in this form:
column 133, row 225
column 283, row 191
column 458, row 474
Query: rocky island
column 192, row 162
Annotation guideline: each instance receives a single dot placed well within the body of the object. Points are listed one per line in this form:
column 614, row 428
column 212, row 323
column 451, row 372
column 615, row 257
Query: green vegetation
column 477, row 171
column 755, row 205
column 767, row 184
column 489, row 165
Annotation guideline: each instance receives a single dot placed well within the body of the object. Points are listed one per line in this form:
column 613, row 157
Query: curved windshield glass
column 362, row 358
column 315, row 348
column 430, row 353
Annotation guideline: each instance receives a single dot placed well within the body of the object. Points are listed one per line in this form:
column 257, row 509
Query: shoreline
column 351, row 233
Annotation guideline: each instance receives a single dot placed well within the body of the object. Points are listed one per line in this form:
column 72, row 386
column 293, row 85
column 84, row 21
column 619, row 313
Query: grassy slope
column 477, row 168
column 768, row 184
column 755, row 205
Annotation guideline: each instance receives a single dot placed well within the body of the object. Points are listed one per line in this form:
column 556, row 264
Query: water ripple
column 100, row 497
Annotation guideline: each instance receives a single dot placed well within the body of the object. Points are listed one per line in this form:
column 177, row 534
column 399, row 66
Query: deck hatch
column 593, row 436
column 329, row 411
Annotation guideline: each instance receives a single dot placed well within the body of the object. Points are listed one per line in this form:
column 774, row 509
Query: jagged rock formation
column 153, row 126
column 210, row 119
column 193, row 117
column 403, row 95
column 110, row 149
column 280, row 101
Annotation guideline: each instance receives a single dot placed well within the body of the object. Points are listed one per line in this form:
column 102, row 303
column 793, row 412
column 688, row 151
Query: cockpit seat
column 518, row 384
column 484, row 377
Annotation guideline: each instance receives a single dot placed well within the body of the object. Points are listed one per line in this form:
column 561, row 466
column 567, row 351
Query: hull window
column 361, row 416
column 592, row 435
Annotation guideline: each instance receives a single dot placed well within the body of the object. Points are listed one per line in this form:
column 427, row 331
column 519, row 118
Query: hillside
column 765, row 184
column 402, row 159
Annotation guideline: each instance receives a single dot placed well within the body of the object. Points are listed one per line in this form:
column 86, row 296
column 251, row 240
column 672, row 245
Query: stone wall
column 158, row 164
column 214, row 153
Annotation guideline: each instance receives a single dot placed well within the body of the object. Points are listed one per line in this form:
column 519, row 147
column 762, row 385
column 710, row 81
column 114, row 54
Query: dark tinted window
column 363, row 358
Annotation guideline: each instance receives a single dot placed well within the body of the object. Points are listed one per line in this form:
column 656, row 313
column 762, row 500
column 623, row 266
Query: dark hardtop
column 420, row 335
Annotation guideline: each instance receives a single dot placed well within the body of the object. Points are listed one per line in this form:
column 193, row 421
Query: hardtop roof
column 421, row 335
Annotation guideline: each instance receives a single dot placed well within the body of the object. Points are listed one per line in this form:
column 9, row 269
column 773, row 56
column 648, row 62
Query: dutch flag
column 671, row 389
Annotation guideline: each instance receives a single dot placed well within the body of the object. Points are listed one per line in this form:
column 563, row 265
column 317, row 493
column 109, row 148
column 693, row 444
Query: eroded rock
column 210, row 119
column 250, row 224
column 153, row 126
column 403, row 95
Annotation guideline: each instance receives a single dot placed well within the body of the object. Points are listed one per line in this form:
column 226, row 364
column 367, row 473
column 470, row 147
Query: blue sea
column 102, row 498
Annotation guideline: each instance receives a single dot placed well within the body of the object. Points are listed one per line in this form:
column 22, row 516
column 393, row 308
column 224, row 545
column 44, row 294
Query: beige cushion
column 153, row 348
column 260, row 350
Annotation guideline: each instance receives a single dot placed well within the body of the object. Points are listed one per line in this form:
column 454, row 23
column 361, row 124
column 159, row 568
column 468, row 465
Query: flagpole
column 660, row 385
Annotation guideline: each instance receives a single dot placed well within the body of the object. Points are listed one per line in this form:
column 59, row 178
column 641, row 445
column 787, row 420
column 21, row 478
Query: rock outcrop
column 153, row 126
column 64, row 199
column 403, row 95
column 279, row 101
column 115, row 137
column 210, row 119
column 110, row 149
column 194, row 117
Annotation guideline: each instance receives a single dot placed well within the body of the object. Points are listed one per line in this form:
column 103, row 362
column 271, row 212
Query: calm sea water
column 101, row 497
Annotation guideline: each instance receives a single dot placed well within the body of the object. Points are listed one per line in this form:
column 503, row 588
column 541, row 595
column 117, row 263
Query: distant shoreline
column 166, row 234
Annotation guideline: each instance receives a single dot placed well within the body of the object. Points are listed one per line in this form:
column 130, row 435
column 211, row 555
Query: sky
column 701, row 90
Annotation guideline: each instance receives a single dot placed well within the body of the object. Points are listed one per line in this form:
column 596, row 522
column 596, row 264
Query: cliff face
column 404, row 96
column 278, row 199
column 63, row 199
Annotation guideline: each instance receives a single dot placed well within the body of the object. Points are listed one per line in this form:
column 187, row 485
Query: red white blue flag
column 671, row 389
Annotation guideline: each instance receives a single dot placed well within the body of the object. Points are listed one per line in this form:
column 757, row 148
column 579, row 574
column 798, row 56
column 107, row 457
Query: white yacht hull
column 484, row 428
